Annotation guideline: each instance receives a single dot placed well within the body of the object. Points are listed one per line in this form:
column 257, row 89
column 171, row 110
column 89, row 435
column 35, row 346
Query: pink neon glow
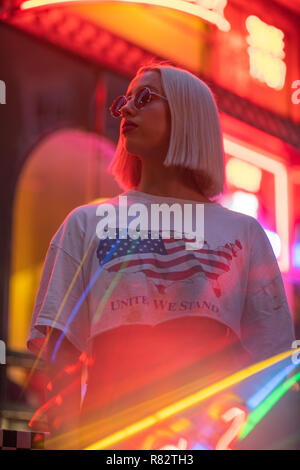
column 271, row 163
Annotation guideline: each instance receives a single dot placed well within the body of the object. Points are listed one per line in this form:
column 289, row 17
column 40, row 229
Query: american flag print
column 165, row 260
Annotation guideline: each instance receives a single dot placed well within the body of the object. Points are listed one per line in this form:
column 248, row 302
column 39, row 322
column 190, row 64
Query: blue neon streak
column 199, row 447
column 263, row 392
column 82, row 298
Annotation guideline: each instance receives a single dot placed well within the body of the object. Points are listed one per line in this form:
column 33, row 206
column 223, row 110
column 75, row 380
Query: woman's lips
column 128, row 128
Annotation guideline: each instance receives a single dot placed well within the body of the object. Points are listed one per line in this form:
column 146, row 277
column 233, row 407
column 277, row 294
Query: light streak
column 82, row 298
column 257, row 415
column 261, row 394
column 187, row 402
column 73, row 312
column 56, row 317
column 56, row 400
column 113, row 284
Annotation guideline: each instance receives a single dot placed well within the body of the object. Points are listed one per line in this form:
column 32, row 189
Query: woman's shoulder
column 234, row 217
column 87, row 211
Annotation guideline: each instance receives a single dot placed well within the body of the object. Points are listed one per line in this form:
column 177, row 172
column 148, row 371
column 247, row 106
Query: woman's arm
column 63, row 392
column 266, row 325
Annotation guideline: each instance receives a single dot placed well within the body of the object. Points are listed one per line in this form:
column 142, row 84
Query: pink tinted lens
column 142, row 97
column 117, row 105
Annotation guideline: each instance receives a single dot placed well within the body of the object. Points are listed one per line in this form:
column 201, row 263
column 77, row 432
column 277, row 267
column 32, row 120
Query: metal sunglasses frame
column 127, row 100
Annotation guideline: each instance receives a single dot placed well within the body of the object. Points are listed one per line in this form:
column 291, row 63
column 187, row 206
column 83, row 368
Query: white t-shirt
column 90, row 285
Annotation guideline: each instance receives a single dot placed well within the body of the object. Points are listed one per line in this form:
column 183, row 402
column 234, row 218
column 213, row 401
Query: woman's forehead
column 150, row 78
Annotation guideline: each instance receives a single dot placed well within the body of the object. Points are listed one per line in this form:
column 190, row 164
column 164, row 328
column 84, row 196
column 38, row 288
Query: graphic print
column 165, row 261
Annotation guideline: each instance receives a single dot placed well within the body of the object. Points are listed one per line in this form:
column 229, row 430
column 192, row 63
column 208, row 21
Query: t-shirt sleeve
column 266, row 324
column 60, row 302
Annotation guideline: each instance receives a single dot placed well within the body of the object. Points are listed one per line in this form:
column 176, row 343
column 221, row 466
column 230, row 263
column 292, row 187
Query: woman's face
column 151, row 138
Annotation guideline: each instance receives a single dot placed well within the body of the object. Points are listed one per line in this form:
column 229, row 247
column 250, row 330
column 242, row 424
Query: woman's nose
column 128, row 107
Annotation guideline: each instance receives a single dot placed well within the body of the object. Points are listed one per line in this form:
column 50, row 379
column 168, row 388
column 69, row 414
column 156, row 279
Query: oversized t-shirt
column 90, row 285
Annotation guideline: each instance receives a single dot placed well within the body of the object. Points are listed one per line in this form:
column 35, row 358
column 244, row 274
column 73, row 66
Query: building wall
column 47, row 90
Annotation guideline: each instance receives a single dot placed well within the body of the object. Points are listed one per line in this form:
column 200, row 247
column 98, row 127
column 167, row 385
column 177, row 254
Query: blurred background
column 61, row 65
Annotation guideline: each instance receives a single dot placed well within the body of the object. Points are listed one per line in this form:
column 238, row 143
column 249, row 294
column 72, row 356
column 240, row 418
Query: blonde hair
column 195, row 147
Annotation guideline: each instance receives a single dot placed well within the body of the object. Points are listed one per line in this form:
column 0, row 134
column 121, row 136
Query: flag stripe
column 178, row 276
column 171, row 263
column 167, row 259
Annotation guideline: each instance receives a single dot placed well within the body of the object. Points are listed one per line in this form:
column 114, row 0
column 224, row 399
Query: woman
column 150, row 319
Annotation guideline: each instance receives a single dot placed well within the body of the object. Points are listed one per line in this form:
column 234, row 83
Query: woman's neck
column 168, row 185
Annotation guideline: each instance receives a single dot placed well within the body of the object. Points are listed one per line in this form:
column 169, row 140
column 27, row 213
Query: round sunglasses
column 142, row 97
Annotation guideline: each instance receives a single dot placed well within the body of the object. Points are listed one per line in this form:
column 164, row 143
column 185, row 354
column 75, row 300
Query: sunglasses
column 142, row 97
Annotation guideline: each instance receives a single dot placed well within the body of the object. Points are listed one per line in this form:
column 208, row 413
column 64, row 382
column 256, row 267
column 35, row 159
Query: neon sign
column 211, row 11
column 238, row 417
column 235, row 418
column 266, row 53
column 271, row 164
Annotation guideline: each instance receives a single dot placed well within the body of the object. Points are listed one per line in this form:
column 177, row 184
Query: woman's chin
column 131, row 148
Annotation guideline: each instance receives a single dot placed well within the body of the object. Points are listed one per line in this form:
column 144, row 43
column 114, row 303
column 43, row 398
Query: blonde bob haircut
column 195, row 146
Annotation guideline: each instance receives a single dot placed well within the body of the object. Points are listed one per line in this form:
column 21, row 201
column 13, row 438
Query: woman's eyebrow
column 142, row 86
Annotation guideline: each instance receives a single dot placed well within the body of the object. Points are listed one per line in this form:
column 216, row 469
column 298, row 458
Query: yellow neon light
column 189, row 401
column 266, row 52
column 243, row 175
column 196, row 8
column 265, row 37
column 271, row 164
